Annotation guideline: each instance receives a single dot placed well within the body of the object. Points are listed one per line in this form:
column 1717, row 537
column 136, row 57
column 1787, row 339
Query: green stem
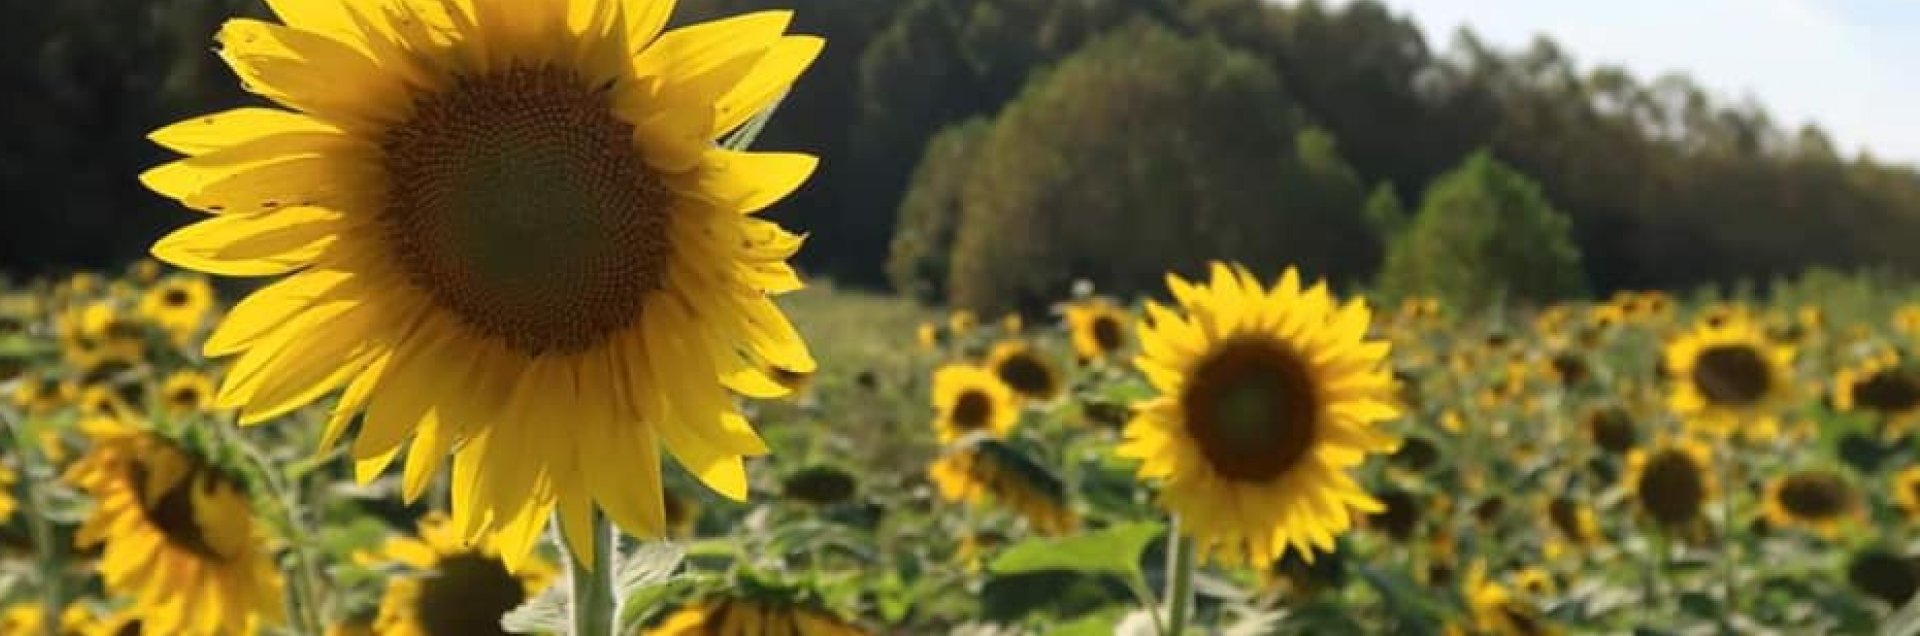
column 593, row 604
column 1179, row 596
column 39, row 527
column 1143, row 594
column 306, row 591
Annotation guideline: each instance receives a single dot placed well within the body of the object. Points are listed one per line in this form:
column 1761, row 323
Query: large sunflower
column 1025, row 370
column 449, row 588
column 1819, row 500
column 970, row 399
column 1268, row 397
column 178, row 535
column 498, row 217
column 1099, row 328
column 1727, row 374
column 1672, row 481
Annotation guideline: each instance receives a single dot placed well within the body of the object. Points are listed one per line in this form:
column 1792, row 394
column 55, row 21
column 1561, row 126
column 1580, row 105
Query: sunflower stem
column 593, row 605
column 1179, row 596
column 39, row 527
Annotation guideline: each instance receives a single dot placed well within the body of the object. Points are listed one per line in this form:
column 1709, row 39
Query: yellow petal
column 768, row 80
column 312, row 73
column 746, row 182
column 254, row 245
column 219, row 131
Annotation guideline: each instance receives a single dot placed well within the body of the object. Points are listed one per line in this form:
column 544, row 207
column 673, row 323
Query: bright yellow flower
column 1099, row 328
column 1883, row 387
column 178, row 305
column 971, row 399
column 1727, row 374
column 1672, row 481
column 1268, row 397
column 1025, row 370
column 507, row 232
column 186, row 392
column 1818, row 500
column 30, row 619
column 983, row 468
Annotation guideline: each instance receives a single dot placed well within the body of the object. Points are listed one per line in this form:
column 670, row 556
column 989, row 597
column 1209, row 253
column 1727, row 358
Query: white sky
column 1851, row 66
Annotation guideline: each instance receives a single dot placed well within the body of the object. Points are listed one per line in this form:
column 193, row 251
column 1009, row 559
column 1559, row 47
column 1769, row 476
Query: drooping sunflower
column 962, row 321
column 186, row 392
column 1025, row 370
column 981, row 467
column 1727, row 374
column 1496, row 611
column 178, row 305
column 1883, row 387
column 1268, row 398
column 1906, row 491
column 496, row 215
column 1885, row 575
column 970, row 399
column 1574, row 522
column 447, row 587
column 177, row 534
column 741, row 616
column 100, row 400
column 1818, row 500
column 1672, row 481
column 1099, row 328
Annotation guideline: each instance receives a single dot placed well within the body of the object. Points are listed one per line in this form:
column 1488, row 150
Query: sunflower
column 1906, row 491
column 970, row 399
column 981, row 467
column 820, row 485
column 496, row 215
column 1535, row 581
column 177, row 533
column 178, row 305
column 99, row 336
column 1496, row 611
column 1817, row 500
column 1728, row 375
column 1399, row 516
column 1268, row 397
column 30, row 619
column 1883, row 387
column 1672, row 481
column 100, row 400
column 1099, row 329
column 42, row 394
column 1025, row 370
column 1574, row 522
column 738, row 616
column 1611, row 429
column 447, row 587
column 1884, row 575
column 962, row 321
column 186, row 392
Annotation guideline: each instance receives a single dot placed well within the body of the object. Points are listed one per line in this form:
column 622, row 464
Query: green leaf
column 1114, row 550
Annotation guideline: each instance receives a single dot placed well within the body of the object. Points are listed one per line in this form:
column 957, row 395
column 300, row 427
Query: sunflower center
column 175, row 298
column 173, row 511
column 1891, row 391
column 520, row 204
column 1611, row 430
column 1885, row 576
column 1106, row 333
column 1814, row 496
column 1027, row 375
column 1252, row 409
column 466, row 595
column 1672, row 487
column 184, row 398
column 972, row 411
column 1732, row 375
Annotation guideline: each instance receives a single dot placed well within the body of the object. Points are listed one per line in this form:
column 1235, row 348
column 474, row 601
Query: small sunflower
column 1884, row 575
column 1818, row 500
column 491, row 216
column 820, row 485
column 1399, row 516
column 1611, row 429
column 1099, row 329
column 178, row 305
column 1025, row 370
column 1672, row 481
column 100, row 400
column 43, row 394
column 178, row 535
column 187, row 392
column 1535, row 581
column 971, row 399
column 1497, row 612
column 1574, row 521
column 99, row 336
column 961, row 322
column 447, row 587
column 981, row 467
column 1883, row 387
column 731, row 616
column 1906, row 491
column 1728, row 375
column 1267, row 398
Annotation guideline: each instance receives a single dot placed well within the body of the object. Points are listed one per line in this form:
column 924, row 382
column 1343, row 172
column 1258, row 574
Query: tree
column 918, row 263
column 1485, row 234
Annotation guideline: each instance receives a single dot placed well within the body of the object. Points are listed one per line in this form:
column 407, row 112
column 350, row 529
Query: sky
column 1851, row 66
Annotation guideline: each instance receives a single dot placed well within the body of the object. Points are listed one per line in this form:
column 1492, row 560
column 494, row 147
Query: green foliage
column 1148, row 151
column 1485, row 234
column 1115, row 550
column 1385, row 212
column 917, row 263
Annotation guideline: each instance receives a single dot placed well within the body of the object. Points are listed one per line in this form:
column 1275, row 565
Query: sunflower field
column 482, row 330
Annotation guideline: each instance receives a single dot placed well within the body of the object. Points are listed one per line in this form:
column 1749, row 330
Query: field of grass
column 1551, row 475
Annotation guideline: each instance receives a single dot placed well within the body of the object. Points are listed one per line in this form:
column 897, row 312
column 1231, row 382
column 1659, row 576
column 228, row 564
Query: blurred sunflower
column 1267, row 398
column 1728, row 375
column 30, row 619
column 1496, row 612
column 1883, row 387
column 42, row 394
column 1535, row 581
column 739, row 616
column 1099, row 328
column 100, row 400
column 981, row 467
column 495, row 215
column 1906, row 491
column 1884, row 575
column 98, row 336
column 178, row 535
column 1025, row 370
column 970, row 399
column 186, row 392
column 820, row 485
column 178, row 305
column 1672, row 481
column 448, row 587
column 1012, row 323
column 1818, row 500
column 961, row 322
column 1611, row 429
column 1574, row 521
